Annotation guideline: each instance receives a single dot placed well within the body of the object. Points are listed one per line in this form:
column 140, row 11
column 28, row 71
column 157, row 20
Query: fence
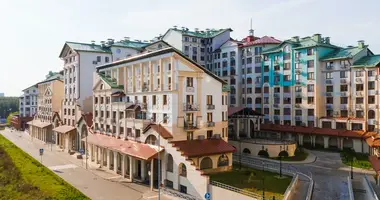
column 237, row 190
column 370, row 188
column 177, row 194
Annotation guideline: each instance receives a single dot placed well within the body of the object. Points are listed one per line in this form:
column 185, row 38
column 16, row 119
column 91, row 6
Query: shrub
column 263, row 154
column 283, row 154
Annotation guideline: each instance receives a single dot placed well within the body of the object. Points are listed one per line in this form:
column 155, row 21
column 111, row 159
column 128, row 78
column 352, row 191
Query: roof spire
column 251, row 30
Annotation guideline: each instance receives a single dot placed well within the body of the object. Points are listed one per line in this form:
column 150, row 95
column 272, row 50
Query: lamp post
column 263, row 181
column 352, row 162
column 280, row 166
column 159, row 158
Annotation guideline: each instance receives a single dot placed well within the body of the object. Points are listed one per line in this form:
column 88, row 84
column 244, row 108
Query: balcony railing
column 210, row 107
column 190, row 125
column 190, row 107
column 210, row 124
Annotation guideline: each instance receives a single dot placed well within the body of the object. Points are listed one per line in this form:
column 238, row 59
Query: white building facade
column 28, row 101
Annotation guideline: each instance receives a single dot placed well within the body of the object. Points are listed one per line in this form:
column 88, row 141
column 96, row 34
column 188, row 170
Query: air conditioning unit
column 329, row 67
column 95, row 62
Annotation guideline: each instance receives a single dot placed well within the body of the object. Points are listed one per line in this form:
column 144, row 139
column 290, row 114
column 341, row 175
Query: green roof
column 202, row 34
column 342, row 53
column 367, row 61
column 306, row 42
column 110, row 82
column 226, row 88
column 88, row 47
column 130, row 44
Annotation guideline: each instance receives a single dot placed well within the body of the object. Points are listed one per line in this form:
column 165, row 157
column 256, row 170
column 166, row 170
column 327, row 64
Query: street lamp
column 263, row 180
column 352, row 162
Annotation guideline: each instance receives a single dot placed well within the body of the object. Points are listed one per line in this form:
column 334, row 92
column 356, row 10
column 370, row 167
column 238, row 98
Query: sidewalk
column 310, row 159
column 96, row 184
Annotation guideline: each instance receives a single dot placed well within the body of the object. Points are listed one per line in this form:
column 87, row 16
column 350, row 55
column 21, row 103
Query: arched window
column 249, row 100
column 249, row 80
column 151, row 139
column 223, row 160
column 206, row 163
column 159, row 46
column 242, row 80
column 371, row 114
column 169, row 164
column 258, row 100
column 246, row 151
column 101, row 86
column 182, row 170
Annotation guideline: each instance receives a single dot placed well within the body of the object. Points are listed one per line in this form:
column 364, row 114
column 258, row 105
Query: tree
column 8, row 105
column 10, row 117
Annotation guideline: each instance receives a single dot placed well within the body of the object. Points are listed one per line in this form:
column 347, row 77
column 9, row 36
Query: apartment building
column 50, row 96
column 160, row 102
column 198, row 45
column 28, row 101
column 80, row 61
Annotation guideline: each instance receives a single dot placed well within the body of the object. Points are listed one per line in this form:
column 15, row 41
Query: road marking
column 60, row 167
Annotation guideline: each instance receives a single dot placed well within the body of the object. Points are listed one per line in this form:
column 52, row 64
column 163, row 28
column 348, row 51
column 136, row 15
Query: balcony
column 298, row 82
column 359, row 106
column 343, row 94
column 190, row 107
column 329, row 81
column 210, row 107
column 189, row 89
column 189, row 125
column 359, row 93
column 210, row 124
column 359, row 80
column 298, row 118
column 343, row 81
column 329, row 94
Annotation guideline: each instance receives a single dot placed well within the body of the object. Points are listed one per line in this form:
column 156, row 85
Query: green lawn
column 360, row 160
column 299, row 155
column 252, row 180
column 23, row 177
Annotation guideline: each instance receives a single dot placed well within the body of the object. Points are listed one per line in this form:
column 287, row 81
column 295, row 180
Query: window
column 277, row 68
column 186, row 48
column 190, row 135
column 257, row 90
column 343, row 88
column 359, row 100
column 343, row 74
column 310, row 63
column 183, row 189
column 194, row 39
column 310, row 76
column 266, row 79
column 154, row 100
column 186, row 39
column 209, row 134
column 287, row 56
column 359, row 73
column 298, row 100
column 209, row 117
column 266, row 68
column 310, row 112
column 359, row 114
column 330, row 100
column 371, row 85
column 276, row 90
column 328, row 75
column 371, row 73
column 165, row 101
column 286, row 89
column 344, row 113
column 371, row 99
column 165, row 117
column 209, row 100
column 298, row 112
column 249, row 60
column 224, row 55
column 286, row 66
column 286, row 111
column 359, row 87
column 310, row 100
column 310, row 52
column 121, row 115
column 329, row 88
column 277, row 112
column 257, row 59
column 98, row 59
column 299, row 88
column 343, row 100
column 310, row 87
column 106, row 59
column 189, row 81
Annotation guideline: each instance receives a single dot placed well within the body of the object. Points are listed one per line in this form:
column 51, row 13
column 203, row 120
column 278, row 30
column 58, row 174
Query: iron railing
column 235, row 189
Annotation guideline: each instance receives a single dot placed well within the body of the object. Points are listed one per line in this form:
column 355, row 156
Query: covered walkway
column 40, row 130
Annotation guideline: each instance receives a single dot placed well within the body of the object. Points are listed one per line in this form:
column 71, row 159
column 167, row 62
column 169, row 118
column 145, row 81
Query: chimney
column 196, row 30
column 110, row 41
column 317, row 37
column 296, row 38
column 361, row 44
column 327, row 40
column 126, row 38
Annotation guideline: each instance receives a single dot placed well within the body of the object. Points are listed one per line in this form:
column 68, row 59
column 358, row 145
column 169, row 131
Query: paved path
column 92, row 182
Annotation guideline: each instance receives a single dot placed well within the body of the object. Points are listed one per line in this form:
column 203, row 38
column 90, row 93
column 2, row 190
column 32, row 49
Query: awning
column 134, row 107
column 63, row 129
column 39, row 123
column 134, row 149
column 197, row 148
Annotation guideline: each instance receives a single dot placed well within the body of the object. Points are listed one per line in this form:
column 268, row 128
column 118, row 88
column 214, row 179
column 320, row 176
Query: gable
column 229, row 44
column 66, row 50
column 48, row 92
column 101, row 85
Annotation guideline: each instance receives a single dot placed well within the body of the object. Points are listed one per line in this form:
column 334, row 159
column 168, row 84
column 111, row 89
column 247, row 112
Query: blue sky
column 33, row 32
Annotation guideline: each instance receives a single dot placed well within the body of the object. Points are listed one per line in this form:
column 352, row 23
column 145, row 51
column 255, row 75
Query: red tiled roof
column 88, row 118
column 312, row 130
column 263, row 40
column 134, row 149
column 373, row 141
column 159, row 129
column 196, row 148
column 375, row 162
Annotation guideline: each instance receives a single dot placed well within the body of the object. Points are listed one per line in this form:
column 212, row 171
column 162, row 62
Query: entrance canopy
column 39, row 123
column 63, row 129
column 134, row 149
column 242, row 112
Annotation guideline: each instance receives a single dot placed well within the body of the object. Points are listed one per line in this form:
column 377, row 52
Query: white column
column 151, row 174
column 96, row 154
column 108, row 159
column 130, row 168
column 237, row 128
column 326, row 142
column 249, row 128
column 123, row 166
column 115, row 161
column 117, row 124
column 102, row 156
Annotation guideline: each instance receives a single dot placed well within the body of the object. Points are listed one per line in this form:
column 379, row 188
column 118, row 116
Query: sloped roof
column 368, row 61
column 160, row 130
column 342, row 53
column 86, row 47
column 113, row 84
column 262, row 41
column 64, row 129
column 197, row 148
column 130, row 44
column 201, row 34
column 306, row 42
column 39, row 123
column 87, row 118
column 375, row 162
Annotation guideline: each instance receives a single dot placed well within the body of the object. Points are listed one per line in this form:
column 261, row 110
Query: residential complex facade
column 161, row 98
column 28, row 101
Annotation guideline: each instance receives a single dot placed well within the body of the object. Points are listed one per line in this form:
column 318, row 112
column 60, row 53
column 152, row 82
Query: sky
column 33, row 33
